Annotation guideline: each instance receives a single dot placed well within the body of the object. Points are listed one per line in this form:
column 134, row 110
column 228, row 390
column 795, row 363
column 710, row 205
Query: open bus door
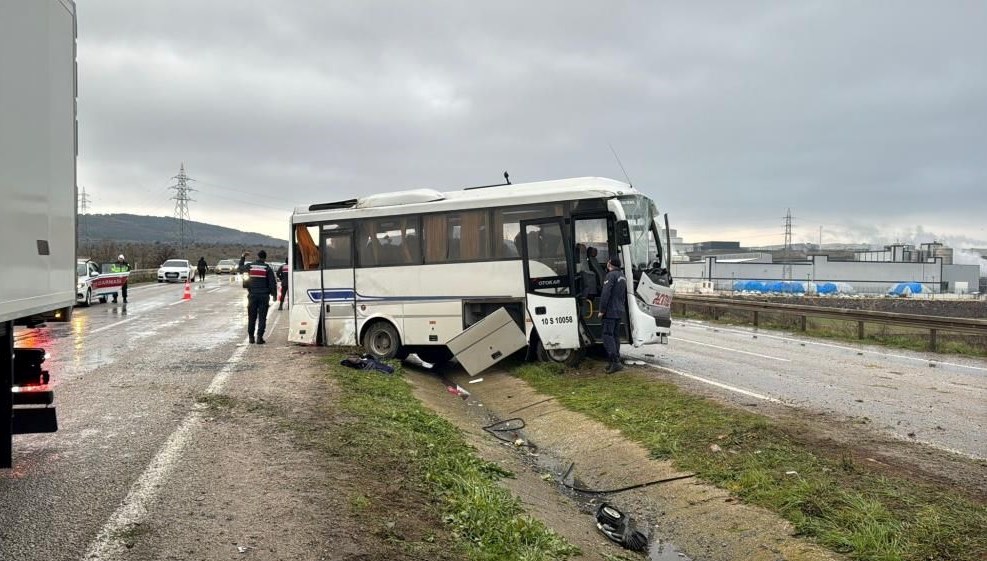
column 338, row 298
column 550, row 284
column 654, row 288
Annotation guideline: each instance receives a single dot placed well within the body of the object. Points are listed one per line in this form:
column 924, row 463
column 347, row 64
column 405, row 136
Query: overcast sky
column 866, row 118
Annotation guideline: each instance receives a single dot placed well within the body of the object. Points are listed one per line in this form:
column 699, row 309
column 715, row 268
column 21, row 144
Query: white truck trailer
column 37, row 201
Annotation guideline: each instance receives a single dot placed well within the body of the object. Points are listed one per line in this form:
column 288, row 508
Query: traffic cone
column 188, row 291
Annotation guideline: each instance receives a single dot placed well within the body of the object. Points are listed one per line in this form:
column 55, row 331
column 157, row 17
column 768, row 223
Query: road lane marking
column 220, row 379
column 717, row 384
column 732, row 350
column 133, row 509
column 179, row 302
column 830, row 345
column 210, row 291
column 105, row 327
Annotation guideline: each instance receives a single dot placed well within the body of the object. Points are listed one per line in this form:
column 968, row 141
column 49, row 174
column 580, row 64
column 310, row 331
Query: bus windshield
column 645, row 248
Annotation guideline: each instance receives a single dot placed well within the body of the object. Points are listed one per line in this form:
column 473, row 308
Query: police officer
column 613, row 301
column 121, row 266
column 283, row 278
column 261, row 285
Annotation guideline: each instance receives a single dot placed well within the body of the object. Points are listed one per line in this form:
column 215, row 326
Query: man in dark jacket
column 613, row 302
column 261, row 285
column 283, row 273
column 202, row 266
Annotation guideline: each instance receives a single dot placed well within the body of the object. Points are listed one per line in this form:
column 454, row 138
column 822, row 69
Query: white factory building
column 870, row 272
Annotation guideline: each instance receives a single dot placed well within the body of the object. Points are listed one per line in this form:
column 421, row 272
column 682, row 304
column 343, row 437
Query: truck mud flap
column 30, row 420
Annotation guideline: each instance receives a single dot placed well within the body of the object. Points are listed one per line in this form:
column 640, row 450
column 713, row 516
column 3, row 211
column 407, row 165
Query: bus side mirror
column 623, row 230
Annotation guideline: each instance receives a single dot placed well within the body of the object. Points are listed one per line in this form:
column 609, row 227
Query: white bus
column 405, row 272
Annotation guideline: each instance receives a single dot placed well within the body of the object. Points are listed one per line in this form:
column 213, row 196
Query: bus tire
column 568, row 357
column 381, row 340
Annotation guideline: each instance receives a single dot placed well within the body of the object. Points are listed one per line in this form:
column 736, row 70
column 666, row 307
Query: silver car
column 226, row 267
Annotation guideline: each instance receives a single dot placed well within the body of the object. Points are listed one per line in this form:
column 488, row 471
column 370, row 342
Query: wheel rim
column 382, row 343
column 559, row 355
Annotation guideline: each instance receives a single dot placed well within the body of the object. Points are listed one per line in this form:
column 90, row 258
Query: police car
column 93, row 284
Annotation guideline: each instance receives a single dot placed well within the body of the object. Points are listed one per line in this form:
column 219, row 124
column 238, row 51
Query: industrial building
column 869, row 272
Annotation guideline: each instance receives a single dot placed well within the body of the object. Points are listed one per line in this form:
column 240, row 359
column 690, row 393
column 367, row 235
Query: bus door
column 549, row 282
column 338, row 294
column 590, row 239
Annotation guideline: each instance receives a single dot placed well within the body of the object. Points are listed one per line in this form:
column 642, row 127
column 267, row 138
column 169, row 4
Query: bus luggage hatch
column 487, row 341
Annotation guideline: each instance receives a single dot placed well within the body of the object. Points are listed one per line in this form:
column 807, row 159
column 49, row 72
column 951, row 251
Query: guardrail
column 934, row 324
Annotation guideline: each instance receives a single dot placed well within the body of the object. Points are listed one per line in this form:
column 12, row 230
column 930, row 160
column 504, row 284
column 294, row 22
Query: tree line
column 142, row 255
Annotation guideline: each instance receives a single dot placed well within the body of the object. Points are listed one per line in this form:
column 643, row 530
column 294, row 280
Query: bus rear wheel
column 568, row 357
column 382, row 341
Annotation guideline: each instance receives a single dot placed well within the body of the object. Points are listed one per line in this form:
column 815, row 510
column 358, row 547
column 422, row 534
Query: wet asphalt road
column 944, row 405
column 124, row 378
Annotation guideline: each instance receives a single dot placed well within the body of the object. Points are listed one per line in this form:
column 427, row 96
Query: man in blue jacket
column 260, row 285
column 613, row 302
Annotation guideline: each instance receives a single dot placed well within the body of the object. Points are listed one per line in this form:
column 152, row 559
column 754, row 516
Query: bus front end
column 647, row 257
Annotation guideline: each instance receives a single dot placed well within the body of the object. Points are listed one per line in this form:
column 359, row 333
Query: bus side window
column 457, row 236
column 389, row 241
column 339, row 252
column 507, row 228
column 306, row 252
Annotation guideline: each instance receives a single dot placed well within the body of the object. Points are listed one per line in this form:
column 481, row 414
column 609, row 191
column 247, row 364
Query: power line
column 787, row 269
column 182, row 199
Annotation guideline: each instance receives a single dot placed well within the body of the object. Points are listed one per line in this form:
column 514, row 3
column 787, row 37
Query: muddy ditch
column 684, row 519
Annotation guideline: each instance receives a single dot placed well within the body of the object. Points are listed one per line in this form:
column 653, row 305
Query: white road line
column 717, row 384
column 144, row 491
column 220, row 379
column 179, row 302
column 214, row 290
column 731, row 350
column 831, row 345
column 105, row 327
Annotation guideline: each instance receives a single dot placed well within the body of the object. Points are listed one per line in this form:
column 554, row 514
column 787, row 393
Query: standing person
column 260, row 285
column 202, row 266
column 121, row 266
column 613, row 301
column 283, row 277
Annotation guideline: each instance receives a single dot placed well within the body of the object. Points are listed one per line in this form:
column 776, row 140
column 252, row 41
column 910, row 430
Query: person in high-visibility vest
column 121, row 266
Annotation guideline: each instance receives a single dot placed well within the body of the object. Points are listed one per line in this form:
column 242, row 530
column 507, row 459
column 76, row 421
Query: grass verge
column 842, row 505
column 390, row 426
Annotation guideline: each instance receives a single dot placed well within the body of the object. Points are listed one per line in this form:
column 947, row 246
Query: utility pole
column 182, row 199
column 787, row 271
column 81, row 210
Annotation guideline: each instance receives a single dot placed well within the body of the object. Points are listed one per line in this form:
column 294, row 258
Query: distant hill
column 164, row 229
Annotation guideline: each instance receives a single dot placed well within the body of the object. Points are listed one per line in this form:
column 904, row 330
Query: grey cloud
column 727, row 113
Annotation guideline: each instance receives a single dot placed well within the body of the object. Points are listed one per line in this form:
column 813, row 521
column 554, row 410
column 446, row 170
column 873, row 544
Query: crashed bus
column 419, row 271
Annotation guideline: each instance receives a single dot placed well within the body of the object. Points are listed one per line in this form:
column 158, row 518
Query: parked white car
column 176, row 270
column 94, row 284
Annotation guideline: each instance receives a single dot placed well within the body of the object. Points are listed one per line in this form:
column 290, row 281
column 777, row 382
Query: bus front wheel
column 568, row 357
column 382, row 341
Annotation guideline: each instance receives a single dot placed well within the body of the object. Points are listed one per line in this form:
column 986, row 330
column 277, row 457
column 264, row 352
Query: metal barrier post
column 933, row 340
column 860, row 330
